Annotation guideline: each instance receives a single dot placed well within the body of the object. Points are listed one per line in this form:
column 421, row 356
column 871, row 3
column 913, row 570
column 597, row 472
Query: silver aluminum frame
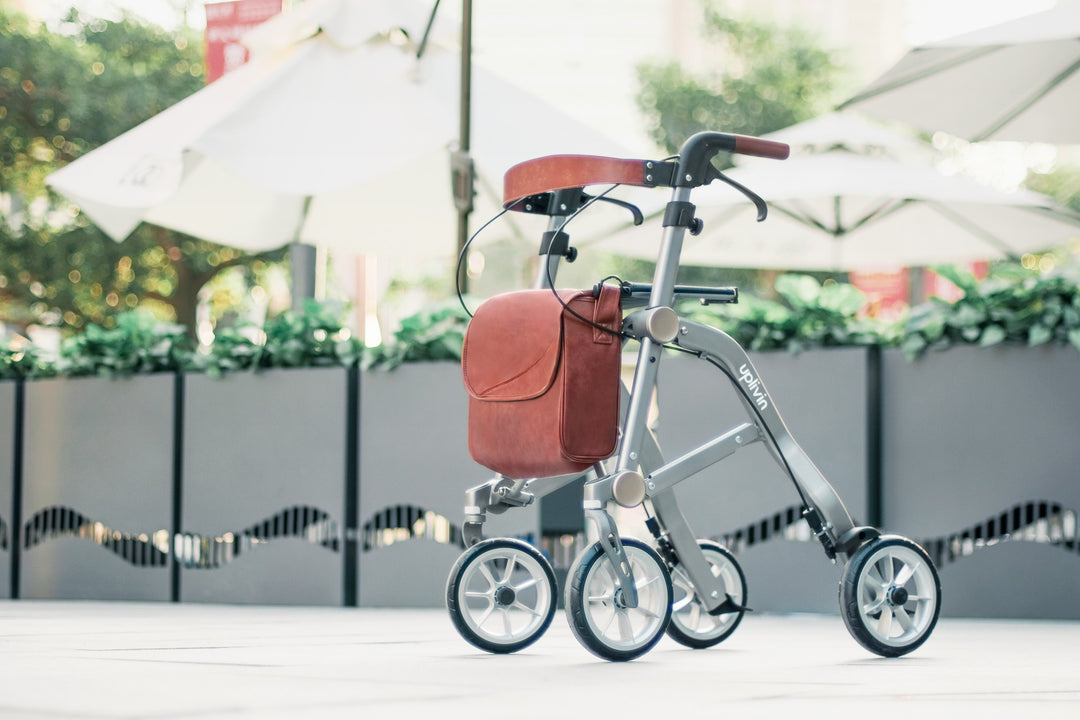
column 639, row 450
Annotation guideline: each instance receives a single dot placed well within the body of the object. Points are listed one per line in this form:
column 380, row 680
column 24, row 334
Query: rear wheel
column 691, row 624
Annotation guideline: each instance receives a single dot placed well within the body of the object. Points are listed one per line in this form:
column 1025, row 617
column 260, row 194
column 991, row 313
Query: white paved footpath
column 148, row 661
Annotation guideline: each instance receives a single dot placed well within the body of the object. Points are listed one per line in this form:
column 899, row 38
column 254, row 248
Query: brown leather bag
column 543, row 385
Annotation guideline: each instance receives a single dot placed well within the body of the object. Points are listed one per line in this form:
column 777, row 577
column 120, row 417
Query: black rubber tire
column 914, row 600
column 717, row 555
column 544, row 594
column 654, row 587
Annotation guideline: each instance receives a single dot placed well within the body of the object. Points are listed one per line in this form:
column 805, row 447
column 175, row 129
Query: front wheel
column 691, row 624
column 501, row 595
column 890, row 596
column 599, row 618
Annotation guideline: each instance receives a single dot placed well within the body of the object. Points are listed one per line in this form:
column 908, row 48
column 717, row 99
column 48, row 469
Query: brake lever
column 638, row 217
column 759, row 203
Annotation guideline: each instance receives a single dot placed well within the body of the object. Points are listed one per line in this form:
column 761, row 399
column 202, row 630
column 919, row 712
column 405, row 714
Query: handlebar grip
column 697, row 153
column 746, row 145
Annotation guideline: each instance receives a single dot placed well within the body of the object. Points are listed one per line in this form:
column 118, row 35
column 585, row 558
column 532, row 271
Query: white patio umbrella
column 1013, row 81
column 855, row 206
column 339, row 139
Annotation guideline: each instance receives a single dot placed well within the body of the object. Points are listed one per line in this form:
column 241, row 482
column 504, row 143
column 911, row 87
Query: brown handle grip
column 746, row 145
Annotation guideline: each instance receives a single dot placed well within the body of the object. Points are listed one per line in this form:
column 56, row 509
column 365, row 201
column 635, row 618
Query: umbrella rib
column 974, row 54
column 799, row 215
column 1028, row 102
column 990, row 239
column 839, row 230
column 884, row 210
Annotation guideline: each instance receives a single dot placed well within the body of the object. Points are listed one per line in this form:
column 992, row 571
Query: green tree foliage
column 767, row 78
column 64, row 91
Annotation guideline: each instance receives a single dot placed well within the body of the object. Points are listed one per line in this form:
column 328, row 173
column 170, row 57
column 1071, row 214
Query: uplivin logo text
column 753, row 386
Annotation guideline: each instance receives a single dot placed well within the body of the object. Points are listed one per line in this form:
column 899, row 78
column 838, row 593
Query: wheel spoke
column 522, row 606
column 647, row 611
column 511, row 563
column 873, row 598
column 885, row 569
column 695, row 615
column 906, row 571
column 531, row 582
column 611, row 621
column 474, row 594
column 646, row 582
column 686, row 583
column 874, row 576
column 679, row 581
column 507, row 627
column 486, row 572
column 902, row 618
column 626, row 630
column 873, row 606
column 884, row 624
column 487, row 614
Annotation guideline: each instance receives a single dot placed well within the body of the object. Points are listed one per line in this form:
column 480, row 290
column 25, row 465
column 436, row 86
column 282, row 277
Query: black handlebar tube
column 707, row 295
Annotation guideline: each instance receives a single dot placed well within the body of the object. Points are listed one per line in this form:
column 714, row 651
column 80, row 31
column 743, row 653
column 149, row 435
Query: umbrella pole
column 462, row 164
column 303, row 260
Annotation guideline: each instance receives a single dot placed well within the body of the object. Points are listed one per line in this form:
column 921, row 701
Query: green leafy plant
column 1011, row 305
column 812, row 315
column 138, row 344
column 436, row 334
column 316, row 336
column 26, row 361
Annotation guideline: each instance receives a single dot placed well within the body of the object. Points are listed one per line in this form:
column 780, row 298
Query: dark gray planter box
column 822, row 396
column 7, row 480
column 97, row 488
column 980, row 459
column 414, row 470
column 263, row 498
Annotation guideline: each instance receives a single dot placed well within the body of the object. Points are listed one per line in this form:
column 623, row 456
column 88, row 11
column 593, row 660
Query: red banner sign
column 226, row 23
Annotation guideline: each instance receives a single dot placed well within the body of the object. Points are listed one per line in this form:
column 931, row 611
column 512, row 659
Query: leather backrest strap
column 559, row 172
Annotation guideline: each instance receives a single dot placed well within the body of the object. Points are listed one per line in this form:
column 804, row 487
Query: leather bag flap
column 512, row 346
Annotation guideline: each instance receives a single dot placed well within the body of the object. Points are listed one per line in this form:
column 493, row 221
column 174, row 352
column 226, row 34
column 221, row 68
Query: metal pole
column 463, row 133
column 303, row 260
column 427, row 31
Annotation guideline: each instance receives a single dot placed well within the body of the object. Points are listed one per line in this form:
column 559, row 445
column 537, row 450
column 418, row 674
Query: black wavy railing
column 192, row 550
column 198, row 551
column 787, row 524
column 399, row 523
column 1038, row 521
column 300, row 521
column 150, row 550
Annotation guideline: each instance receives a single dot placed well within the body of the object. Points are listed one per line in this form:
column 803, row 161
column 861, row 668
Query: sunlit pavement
column 126, row 660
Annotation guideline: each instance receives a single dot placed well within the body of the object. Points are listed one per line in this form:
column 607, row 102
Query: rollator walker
column 622, row 594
